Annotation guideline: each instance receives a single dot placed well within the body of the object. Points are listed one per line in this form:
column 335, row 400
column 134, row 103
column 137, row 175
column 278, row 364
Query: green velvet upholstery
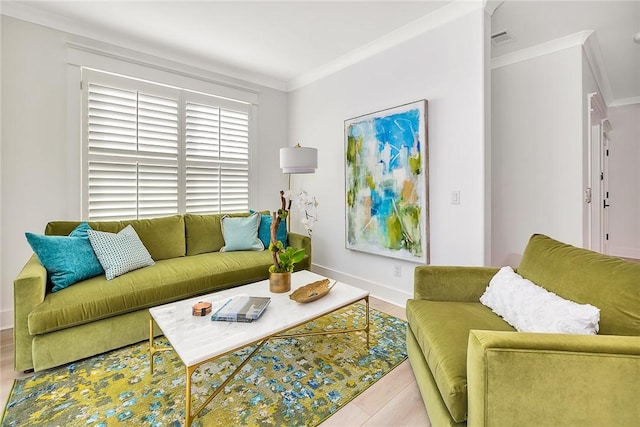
column 166, row 281
column 163, row 237
column 461, row 284
column 438, row 412
column 473, row 369
column 96, row 315
column 29, row 290
column 524, row 379
column 87, row 340
column 442, row 331
column 204, row 232
column 609, row 283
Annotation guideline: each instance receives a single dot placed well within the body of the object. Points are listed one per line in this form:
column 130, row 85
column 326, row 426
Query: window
column 153, row 150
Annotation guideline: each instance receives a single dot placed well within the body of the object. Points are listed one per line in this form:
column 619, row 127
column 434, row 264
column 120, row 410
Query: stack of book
column 241, row 308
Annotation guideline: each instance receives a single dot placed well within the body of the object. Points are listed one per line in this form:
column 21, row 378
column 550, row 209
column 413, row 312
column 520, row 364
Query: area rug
column 292, row 381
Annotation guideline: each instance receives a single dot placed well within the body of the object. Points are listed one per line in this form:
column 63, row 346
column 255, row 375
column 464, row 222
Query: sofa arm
column 302, row 242
column 527, row 379
column 29, row 290
column 462, row 284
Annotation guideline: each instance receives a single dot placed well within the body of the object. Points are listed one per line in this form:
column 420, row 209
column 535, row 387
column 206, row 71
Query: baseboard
column 377, row 290
column 624, row 252
column 6, row 319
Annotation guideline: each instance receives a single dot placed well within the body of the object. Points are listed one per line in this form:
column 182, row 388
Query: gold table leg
column 152, row 349
column 367, row 328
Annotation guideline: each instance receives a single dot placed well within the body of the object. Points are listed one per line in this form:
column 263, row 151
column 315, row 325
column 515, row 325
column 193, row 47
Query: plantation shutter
column 217, row 156
column 153, row 150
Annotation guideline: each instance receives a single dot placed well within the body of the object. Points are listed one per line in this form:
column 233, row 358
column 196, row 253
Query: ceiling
column 280, row 39
column 283, row 40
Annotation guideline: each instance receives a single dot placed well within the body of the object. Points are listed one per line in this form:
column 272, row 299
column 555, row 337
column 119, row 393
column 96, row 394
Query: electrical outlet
column 397, row 270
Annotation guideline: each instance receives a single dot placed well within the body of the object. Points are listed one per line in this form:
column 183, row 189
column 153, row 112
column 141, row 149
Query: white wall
column 40, row 168
column 537, row 152
column 446, row 66
column 624, row 181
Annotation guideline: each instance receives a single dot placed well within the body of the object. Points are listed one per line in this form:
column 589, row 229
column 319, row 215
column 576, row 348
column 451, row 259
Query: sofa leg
column 28, row 371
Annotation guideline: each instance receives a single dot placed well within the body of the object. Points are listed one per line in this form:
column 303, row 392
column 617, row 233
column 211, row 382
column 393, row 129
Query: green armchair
column 473, row 369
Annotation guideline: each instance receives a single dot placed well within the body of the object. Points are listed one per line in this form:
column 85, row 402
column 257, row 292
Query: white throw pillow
column 119, row 253
column 530, row 308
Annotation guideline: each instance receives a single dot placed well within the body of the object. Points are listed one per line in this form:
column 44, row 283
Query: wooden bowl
column 312, row 291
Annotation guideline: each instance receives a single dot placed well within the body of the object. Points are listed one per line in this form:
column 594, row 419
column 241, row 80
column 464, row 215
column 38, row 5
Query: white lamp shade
column 298, row 160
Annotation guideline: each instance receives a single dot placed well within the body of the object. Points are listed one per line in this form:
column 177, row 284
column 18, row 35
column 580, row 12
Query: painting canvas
column 387, row 183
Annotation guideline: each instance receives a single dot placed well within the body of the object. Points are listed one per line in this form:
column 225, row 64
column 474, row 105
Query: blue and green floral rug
column 290, row 382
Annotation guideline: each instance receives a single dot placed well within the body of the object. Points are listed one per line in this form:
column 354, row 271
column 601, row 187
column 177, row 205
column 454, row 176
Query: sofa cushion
column 530, row 308
column 442, row 331
column 609, row 283
column 264, row 232
column 68, row 259
column 241, row 234
column 204, row 232
column 120, row 252
column 163, row 237
column 166, row 281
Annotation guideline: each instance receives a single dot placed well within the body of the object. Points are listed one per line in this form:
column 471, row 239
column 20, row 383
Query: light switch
column 455, row 197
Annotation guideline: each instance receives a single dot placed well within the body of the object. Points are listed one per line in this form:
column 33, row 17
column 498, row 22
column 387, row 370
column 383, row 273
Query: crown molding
column 25, row 12
column 435, row 19
column 591, row 47
column 576, row 39
column 625, row 101
column 593, row 53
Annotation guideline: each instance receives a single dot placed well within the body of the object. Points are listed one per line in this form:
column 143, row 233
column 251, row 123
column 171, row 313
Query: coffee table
column 199, row 340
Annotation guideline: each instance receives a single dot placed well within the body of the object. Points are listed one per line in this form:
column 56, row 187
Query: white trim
column 25, row 12
column 155, row 70
column 576, row 39
column 619, row 251
column 491, row 6
column 171, row 90
column 435, row 19
column 6, row 319
column 625, row 101
column 589, row 42
column 593, row 53
column 254, row 163
column 377, row 290
column 75, row 150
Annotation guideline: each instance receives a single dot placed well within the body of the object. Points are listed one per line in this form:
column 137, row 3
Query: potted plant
column 283, row 259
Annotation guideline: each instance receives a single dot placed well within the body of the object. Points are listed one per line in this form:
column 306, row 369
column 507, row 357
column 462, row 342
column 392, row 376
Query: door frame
column 594, row 194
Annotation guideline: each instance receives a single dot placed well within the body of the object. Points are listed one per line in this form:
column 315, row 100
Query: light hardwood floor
column 393, row 401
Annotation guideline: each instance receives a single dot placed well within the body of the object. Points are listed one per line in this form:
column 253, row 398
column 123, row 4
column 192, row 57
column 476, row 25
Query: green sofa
column 473, row 369
column 96, row 315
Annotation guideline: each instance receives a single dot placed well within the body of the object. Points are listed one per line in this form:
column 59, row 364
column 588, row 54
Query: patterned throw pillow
column 67, row 259
column 119, row 253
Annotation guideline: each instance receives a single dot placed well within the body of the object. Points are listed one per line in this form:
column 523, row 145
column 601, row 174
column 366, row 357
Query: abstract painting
column 387, row 183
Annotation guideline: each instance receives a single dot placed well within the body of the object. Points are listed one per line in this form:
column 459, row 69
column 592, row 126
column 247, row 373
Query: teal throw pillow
column 67, row 259
column 120, row 253
column 265, row 231
column 241, row 233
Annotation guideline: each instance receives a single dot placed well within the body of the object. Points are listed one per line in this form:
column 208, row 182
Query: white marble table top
column 196, row 339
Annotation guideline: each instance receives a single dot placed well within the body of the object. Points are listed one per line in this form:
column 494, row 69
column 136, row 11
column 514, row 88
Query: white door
column 597, row 195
